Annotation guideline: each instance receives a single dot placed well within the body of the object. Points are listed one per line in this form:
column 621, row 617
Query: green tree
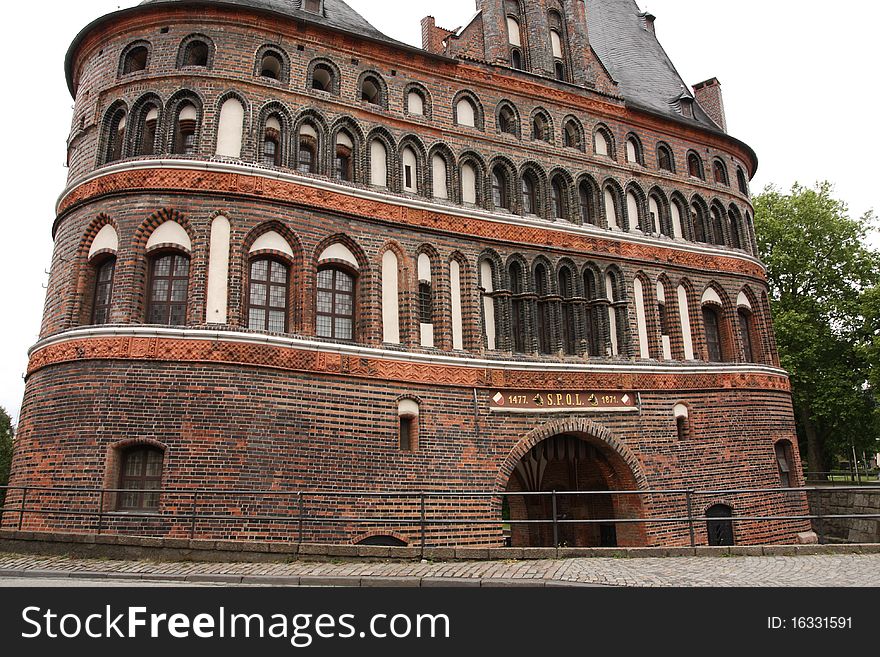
column 821, row 275
column 6, row 434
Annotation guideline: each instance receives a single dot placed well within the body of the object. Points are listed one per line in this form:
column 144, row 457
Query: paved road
column 820, row 570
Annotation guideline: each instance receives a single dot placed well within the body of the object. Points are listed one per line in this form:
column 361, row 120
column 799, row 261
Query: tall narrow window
column 268, row 294
column 408, row 425
column 116, row 136
column 613, row 322
column 148, row 132
column 558, row 198
column 717, row 226
column 230, row 129
column 745, row 331
column 712, row 325
column 695, row 166
column 439, row 177
column 587, row 202
column 426, row 301
column 343, row 159
column 591, row 290
column 185, row 131
column 140, row 479
column 272, row 142
column 633, row 151
column 665, row 324
column 409, row 166
column 566, row 291
column 507, row 121
column 571, row 136
column 103, row 291
column 543, row 326
column 699, row 219
column 307, row 156
column 169, row 288
column 336, row 304
column 529, row 195
column 664, row 158
column 487, row 289
column 378, row 164
column 682, row 421
column 468, row 183
column 517, row 309
column 720, row 172
column 741, row 181
column 540, row 128
column 500, row 197
column 610, row 208
column 735, row 235
column 783, row 462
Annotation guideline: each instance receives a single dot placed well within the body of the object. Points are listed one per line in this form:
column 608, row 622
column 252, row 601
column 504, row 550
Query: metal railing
column 184, row 510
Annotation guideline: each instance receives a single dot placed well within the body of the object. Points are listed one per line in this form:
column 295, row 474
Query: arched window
column 272, row 142
column 268, row 295
column 571, row 135
column 745, row 331
column 140, row 478
column 701, row 234
column 116, row 136
column 518, row 325
column 103, row 291
column 507, row 121
column 665, row 324
column 272, row 65
column 602, row 143
column 147, row 133
column 719, row 527
column 408, row 425
column 733, row 222
column 324, row 78
column 559, row 68
column 514, row 36
column 336, row 304
column 409, row 170
column 614, row 311
column 378, row 163
column 682, row 421
column 530, row 203
column 611, row 209
column 633, row 211
column 516, row 58
column 695, row 166
column 500, row 195
column 558, row 198
column 426, row 301
column 439, row 176
column 185, row 130
column 169, row 289
column 456, row 293
column 466, row 113
column 230, row 128
column 741, row 181
column 641, row 318
column 135, row 58
column 784, row 462
column 655, row 223
column 196, row 53
column 717, row 226
column 569, row 331
column 469, row 183
column 540, row 128
column 684, row 316
column 390, row 298
column 557, row 44
column 307, row 150
column 665, row 161
column 487, row 290
column 675, row 213
column 591, row 291
column 712, row 328
column 343, row 163
column 415, row 102
column 544, row 322
column 634, row 151
column 720, row 173
column 372, row 90
column 587, row 198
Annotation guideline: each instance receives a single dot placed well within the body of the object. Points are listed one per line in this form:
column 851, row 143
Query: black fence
column 427, row 518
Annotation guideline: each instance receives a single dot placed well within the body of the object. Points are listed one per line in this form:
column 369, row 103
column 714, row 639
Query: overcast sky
column 799, row 80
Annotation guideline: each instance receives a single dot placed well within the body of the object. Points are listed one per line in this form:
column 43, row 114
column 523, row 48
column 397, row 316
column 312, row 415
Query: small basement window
column 408, row 425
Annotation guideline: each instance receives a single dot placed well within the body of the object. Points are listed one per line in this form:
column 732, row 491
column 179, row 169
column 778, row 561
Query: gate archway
column 574, row 462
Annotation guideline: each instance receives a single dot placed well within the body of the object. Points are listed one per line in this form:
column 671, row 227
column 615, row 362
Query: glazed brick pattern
column 246, row 428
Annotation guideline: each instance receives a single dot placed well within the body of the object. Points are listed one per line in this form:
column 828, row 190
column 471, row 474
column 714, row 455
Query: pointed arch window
column 560, row 209
column 745, row 331
column 116, row 137
column 343, row 163
column 148, row 131
column 544, row 322
column 529, row 195
column 569, row 331
column 307, row 152
column 500, row 196
column 185, row 130
column 712, row 327
column 268, row 295
column 507, row 121
column 741, row 181
column 272, row 142
column 587, row 203
column 591, row 290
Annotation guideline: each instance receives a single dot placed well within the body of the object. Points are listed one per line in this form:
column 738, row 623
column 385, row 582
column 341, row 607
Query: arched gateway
column 583, row 465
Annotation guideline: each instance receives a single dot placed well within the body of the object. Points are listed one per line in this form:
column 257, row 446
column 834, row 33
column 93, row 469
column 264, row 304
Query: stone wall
column 830, row 501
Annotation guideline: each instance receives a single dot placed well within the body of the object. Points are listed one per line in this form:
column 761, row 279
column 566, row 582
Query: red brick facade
column 234, row 409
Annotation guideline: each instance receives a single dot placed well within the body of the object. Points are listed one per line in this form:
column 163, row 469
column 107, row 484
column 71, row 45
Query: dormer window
column 687, row 106
column 312, row 6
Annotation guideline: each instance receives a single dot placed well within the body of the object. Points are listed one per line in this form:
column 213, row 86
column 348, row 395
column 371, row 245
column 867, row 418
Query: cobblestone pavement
column 820, row 570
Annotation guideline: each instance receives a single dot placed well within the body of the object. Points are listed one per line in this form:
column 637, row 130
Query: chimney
column 708, row 95
column 649, row 19
column 433, row 36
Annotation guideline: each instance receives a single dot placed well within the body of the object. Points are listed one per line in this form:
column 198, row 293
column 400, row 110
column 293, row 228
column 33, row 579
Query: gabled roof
column 638, row 63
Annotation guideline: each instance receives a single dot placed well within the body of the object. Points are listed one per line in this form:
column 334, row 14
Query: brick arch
column 323, row 157
column 171, row 115
column 363, row 536
column 479, row 111
column 641, row 220
column 452, row 175
column 336, row 76
column 470, row 312
column 83, row 276
column 509, row 171
column 114, row 114
column 246, row 127
column 279, row 110
column 580, row 427
column 423, row 162
column 406, row 283
column 368, row 302
column 539, row 177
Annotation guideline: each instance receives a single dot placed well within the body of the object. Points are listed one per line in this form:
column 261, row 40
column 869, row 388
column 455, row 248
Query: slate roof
column 636, row 60
column 336, row 14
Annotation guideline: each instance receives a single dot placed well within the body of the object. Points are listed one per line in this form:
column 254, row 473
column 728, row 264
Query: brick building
column 297, row 255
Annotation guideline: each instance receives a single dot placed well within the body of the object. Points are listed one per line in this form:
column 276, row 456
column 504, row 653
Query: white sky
column 799, row 79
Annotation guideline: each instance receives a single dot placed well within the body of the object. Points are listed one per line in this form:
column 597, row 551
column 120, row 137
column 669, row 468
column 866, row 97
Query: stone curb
column 299, row 581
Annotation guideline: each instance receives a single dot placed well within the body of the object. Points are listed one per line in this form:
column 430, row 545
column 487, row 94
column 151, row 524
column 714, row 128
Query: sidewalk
column 796, row 571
